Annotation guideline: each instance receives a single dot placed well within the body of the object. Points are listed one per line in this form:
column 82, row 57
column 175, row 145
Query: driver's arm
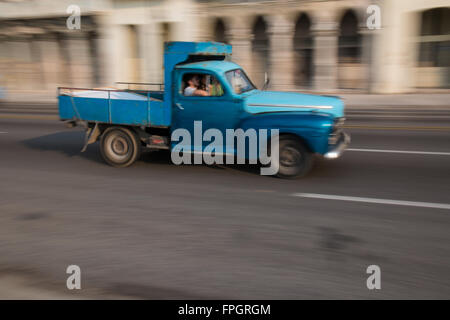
column 201, row 93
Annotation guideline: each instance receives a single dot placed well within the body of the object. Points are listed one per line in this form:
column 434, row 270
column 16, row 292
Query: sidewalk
column 401, row 101
column 416, row 101
column 30, row 97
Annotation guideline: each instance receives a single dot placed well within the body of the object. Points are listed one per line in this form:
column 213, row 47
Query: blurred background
column 160, row 231
column 321, row 46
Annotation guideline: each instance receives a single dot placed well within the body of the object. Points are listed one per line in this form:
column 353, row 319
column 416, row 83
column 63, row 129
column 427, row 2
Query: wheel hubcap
column 290, row 157
column 119, row 146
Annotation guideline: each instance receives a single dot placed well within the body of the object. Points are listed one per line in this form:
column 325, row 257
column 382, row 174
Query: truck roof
column 216, row 66
column 197, row 48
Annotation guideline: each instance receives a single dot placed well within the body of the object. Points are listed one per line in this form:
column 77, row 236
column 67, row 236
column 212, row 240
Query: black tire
column 120, row 147
column 295, row 159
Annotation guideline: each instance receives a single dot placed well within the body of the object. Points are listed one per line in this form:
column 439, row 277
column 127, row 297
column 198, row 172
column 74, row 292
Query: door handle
column 179, row 106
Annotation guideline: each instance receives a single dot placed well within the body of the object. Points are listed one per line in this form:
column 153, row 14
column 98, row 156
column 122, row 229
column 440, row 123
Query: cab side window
column 201, row 85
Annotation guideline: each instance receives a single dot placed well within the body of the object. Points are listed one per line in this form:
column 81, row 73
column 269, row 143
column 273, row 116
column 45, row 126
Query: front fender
column 312, row 127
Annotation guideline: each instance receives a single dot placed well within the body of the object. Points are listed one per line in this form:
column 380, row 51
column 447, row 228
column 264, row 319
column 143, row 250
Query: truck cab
column 307, row 125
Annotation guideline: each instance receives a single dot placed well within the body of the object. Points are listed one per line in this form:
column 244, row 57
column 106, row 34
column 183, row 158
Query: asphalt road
column 160, row 231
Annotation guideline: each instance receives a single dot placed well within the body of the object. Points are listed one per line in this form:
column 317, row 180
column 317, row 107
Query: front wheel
column 120, row 147
column 295, row 158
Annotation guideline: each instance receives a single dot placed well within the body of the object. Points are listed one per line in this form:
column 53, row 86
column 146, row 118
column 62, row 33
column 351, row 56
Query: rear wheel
column 120, row 147
column 295, row 158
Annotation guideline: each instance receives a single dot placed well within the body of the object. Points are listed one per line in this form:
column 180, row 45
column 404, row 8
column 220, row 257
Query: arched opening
column 166, row 36
column 93, row 55
column 349, row 53
column 220, row 34
column 260, row 51
column 349, row 38
column 434, row 49
column 303, row 50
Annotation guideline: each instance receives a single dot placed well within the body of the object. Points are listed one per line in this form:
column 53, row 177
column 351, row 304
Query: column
column 6, row 62
column 325, row 55
column 241, row 39
column 119, row 53
column 105, row 50
column 50, row 60
column 64, row 70
column 23, row 68
column 151, row 53
column 395, row 50
column 368, row 37
column 143, row 54
column 281, row 59
column 80, row 60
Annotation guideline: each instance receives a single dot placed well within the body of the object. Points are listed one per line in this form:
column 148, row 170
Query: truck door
column 219, row 110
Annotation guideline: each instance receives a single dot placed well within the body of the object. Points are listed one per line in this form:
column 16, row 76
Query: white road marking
column 400, row 151
column 3, row 132
column 374, row 200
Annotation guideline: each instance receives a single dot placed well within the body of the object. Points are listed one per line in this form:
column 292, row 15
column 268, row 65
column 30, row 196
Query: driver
column 192, row 88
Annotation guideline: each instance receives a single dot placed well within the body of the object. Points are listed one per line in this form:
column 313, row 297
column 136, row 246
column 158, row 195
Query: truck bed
column 122, row 107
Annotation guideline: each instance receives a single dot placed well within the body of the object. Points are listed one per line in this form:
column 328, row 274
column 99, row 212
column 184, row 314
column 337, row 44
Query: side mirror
column 266, row 81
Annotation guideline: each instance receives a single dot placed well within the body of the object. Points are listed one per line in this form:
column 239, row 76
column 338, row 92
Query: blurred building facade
column 312, row 45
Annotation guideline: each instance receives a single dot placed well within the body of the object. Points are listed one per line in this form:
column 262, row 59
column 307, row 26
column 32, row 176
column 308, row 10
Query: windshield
column 239, row 81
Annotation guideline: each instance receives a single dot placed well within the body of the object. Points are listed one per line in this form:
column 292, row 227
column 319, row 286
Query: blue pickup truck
column 201, row 83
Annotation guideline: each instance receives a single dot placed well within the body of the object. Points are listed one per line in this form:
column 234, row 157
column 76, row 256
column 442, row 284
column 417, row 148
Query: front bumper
column 337, row 149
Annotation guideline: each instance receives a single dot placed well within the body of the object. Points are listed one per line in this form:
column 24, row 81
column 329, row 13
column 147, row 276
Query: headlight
column 335, row 133
column 339, row 123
